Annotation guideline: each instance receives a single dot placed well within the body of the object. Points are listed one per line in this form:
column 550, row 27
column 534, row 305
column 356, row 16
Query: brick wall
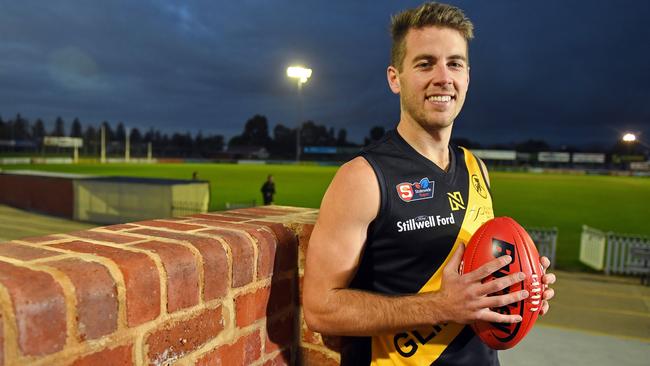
column 211, row 289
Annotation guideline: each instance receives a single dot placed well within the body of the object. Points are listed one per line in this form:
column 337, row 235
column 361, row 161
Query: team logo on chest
column 415, row 191
column 456, row 201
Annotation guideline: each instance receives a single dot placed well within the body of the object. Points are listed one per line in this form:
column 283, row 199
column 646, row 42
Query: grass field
column 620, row 204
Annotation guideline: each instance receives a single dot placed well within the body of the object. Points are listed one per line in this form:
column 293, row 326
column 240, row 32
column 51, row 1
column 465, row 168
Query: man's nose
column 441, row 76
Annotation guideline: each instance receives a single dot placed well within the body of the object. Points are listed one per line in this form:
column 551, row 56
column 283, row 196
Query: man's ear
column 392, row 74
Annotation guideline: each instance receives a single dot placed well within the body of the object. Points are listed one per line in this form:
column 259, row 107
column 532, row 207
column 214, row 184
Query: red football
column 504, row 236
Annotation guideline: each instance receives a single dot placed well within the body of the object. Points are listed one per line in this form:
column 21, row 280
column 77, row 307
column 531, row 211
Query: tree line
column 280, row 142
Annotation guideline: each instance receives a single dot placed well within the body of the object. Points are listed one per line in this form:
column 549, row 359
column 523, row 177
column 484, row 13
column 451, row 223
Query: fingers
column 545, row 263
column 456, row 258
column 502, row 300
column 548, row 294
column 494, row 317
column 489, row 268
column 545, row 308
column 501, row 283
column 548, row 279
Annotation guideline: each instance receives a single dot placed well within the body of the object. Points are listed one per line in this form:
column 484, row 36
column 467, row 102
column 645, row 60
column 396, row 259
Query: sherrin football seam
column 535, row 296
column 534, row 311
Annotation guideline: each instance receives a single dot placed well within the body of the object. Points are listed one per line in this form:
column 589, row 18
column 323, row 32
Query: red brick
column 309, row 336
column 118, row 356
column 304, row 235
column 169, row 225
column 244, row 351
column 24, row 252
column 243, row 256
column 223, row 218
column 140, row 278
column 280, row 332
column 251, row 307
column 266, row 247
column 182, row 273
column 39, row 305
column 119, row 227
column 242, row 215
column 314, row 358
column 105, row 237
column 215, row 261
column 225, row 224
column 43, row 239
column 96, row 296
column 282, row 359
column 286, row 258
column 183, row 336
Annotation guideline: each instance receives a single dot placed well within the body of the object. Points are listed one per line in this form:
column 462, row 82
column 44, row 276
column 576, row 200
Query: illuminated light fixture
column 629, row 137
column 299, row 72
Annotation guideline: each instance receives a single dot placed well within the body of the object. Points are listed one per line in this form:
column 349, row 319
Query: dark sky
column 569, row 72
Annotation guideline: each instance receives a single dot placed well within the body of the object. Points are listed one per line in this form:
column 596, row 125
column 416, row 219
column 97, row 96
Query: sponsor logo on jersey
column 481, row 213
column 425, row 222
column 407, row 343
column 476, row 183
column 456, row 201
column 416, row 191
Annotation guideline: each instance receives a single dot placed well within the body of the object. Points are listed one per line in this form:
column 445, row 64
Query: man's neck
column 433, row 145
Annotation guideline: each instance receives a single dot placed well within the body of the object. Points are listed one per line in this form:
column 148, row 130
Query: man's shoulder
column 358, row 167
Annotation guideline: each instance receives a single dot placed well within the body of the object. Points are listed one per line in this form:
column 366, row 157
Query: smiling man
column 383, row 260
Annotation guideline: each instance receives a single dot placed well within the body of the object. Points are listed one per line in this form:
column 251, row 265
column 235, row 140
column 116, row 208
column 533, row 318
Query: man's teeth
column 439, row 98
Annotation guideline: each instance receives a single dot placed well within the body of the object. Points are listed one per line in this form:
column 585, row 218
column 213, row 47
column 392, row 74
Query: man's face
column 434, row 77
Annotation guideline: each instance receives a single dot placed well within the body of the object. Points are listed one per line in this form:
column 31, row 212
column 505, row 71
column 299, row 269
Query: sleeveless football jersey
column 425, row 213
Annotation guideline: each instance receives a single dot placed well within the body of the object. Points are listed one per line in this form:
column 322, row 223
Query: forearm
column 358, row 313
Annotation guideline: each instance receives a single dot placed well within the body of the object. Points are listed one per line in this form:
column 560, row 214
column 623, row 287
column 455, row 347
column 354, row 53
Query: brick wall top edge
column 126, row 256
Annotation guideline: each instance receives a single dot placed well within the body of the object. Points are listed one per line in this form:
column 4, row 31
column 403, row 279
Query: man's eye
column 423, row 65
column 456, row 65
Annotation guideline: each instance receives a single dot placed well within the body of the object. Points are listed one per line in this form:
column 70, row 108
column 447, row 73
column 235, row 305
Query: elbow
column 311, row 320
column 314, row 321
column 315, row 316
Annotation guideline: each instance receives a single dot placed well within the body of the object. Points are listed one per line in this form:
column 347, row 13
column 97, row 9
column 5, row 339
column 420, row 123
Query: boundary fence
column 615, row 253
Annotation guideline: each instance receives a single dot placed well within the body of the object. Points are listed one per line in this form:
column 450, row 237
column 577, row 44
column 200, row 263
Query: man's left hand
column 547, row 279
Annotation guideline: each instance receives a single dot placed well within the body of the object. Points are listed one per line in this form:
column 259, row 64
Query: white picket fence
column 615, row 253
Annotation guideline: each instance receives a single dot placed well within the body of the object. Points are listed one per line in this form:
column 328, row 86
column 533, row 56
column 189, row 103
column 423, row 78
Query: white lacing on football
column 536, row 293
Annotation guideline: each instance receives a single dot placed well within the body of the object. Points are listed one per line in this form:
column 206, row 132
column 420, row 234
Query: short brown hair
column 427, row 14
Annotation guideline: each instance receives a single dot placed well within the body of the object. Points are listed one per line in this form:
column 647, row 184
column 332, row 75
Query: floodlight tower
column 302, row 74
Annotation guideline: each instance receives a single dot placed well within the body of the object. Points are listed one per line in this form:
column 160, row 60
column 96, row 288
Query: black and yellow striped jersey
column 425, row 212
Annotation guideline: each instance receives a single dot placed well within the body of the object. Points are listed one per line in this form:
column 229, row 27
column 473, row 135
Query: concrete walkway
column 549, row 346
column 595, row 320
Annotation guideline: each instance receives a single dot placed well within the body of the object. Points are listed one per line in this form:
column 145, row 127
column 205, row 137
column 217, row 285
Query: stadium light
column 302, row 74
column 629, row 137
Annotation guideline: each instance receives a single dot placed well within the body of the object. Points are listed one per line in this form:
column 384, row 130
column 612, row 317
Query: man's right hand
column 464, row 298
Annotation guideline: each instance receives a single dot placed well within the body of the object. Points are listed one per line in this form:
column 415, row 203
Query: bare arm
column 349, row 205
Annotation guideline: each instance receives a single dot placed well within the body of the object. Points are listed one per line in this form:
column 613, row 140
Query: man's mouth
column 440, row 98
